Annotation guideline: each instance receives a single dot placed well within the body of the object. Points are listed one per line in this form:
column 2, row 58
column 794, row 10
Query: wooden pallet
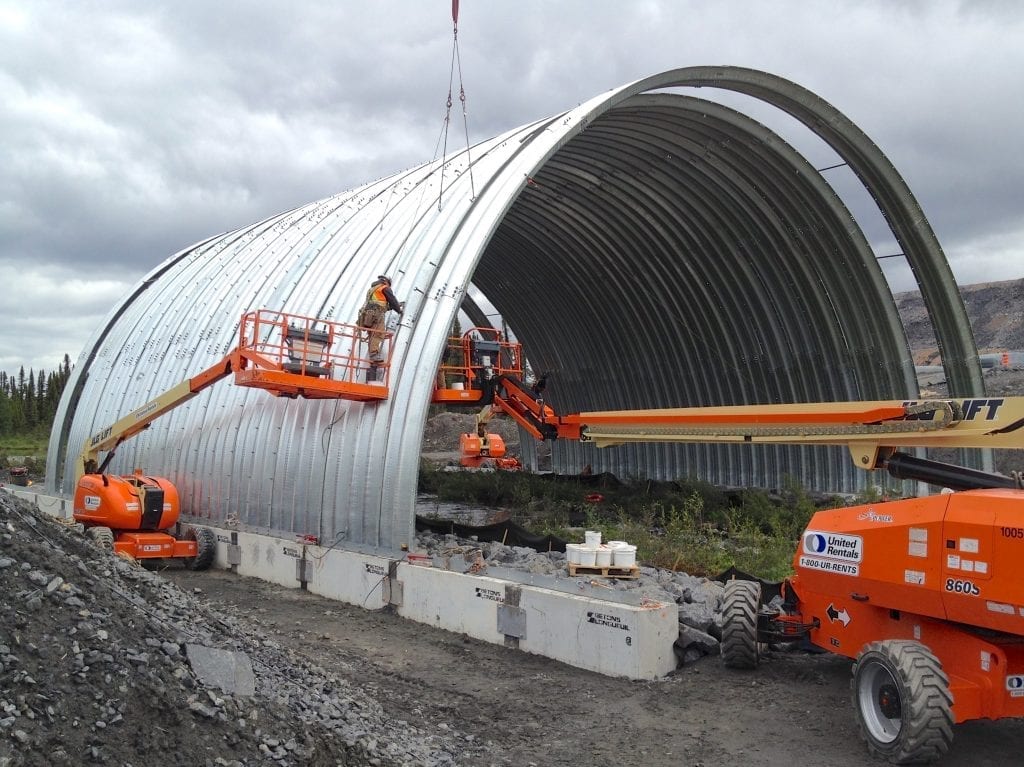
column 604, row 572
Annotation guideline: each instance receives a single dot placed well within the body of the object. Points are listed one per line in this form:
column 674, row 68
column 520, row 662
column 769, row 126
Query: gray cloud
column 131, row 130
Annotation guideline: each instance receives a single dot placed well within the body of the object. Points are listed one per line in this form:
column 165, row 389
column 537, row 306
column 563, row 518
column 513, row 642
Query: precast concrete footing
column 572, row 620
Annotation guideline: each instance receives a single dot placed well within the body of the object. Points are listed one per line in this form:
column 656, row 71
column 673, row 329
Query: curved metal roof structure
column 649, row 248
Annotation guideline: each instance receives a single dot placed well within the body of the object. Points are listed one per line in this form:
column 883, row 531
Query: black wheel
column 739, row 628
column 206, row 547
column 902, row 702
column 102, row 537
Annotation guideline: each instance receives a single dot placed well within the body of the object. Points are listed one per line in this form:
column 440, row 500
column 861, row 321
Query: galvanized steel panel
column 649, row 249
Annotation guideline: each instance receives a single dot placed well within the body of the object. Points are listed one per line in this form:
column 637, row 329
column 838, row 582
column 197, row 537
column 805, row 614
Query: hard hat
column 384, row 278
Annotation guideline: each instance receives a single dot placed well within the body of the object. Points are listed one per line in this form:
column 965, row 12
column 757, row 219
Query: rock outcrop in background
column 996, row 311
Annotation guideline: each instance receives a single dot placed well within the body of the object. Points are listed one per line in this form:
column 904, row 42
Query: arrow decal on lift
column 834, row 615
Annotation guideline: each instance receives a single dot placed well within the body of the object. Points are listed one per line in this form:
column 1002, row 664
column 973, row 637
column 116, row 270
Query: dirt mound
column 97, row 656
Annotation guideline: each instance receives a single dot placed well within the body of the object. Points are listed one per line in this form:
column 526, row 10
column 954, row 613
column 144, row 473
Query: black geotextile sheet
column 508, row 533
column 769, row 589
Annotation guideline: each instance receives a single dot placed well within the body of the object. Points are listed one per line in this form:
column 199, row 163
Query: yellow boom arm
column 865, row 427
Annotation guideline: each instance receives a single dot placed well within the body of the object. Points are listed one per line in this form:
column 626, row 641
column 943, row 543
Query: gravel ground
column 525, row 710
column 96, row 670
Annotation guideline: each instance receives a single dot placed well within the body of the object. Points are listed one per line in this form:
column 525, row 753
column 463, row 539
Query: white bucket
column 457, row 386
column 616, row 544
column 593, row 538
column 603, row 557
column 572, row 553
column 624, row 556
column 588, row 556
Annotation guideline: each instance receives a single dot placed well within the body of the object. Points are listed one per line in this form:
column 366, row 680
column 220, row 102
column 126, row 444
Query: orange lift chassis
column 476, row 367
column 287, row 355
column 925, row 595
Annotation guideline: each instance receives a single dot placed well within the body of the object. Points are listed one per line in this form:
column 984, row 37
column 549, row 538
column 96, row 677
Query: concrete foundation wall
column 613, row 633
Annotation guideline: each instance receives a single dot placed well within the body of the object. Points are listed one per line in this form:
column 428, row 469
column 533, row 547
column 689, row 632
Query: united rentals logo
column 847, row 548
column 1015, row 686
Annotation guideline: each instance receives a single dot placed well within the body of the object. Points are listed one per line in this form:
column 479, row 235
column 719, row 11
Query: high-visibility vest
column 376, row 294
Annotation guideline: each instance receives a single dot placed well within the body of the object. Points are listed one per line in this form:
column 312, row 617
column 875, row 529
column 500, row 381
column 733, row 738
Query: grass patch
column 756, row 535
column 19, row 444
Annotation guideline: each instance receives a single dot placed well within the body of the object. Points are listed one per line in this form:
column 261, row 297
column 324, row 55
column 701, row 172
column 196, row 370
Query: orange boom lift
column 474, row 371
column 926, row 595
column 287, row 355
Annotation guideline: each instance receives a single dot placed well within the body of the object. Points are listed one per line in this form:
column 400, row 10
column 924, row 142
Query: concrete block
column 348, row 576
column 466, row 604
column 612, row 633
column 227, row 670
column 271, row 559
column 51, row 505
column 611, row 638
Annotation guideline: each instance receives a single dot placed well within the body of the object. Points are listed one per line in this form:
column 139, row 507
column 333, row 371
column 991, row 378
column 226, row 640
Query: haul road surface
column 795, row 708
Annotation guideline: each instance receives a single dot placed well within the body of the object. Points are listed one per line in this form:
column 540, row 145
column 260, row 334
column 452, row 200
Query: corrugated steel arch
column 894, row 198
column 649, row 248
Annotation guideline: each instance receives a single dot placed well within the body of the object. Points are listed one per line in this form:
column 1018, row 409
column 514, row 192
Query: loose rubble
column 98, row 667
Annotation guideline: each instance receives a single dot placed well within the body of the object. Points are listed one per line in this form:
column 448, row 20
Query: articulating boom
column 287, row 355
column 489, row 370
column 873, row 431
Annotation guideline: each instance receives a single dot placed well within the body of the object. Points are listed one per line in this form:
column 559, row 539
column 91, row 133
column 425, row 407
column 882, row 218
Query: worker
column 379, row 299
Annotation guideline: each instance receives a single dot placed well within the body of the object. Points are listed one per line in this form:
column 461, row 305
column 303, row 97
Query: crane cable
column 456, row 60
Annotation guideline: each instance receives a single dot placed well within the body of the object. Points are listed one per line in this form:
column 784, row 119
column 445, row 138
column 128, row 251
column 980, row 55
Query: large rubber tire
column 102, row 537
column 902, row 702
column 206, row 547
column 740, row 648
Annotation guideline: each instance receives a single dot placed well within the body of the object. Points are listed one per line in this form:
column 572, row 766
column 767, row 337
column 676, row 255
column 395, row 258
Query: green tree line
column 28, row 402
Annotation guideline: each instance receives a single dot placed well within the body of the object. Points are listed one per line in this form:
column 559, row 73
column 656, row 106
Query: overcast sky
column 130, row 130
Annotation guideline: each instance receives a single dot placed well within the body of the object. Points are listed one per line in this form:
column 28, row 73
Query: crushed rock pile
column 699, row 600
column 99, row 666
